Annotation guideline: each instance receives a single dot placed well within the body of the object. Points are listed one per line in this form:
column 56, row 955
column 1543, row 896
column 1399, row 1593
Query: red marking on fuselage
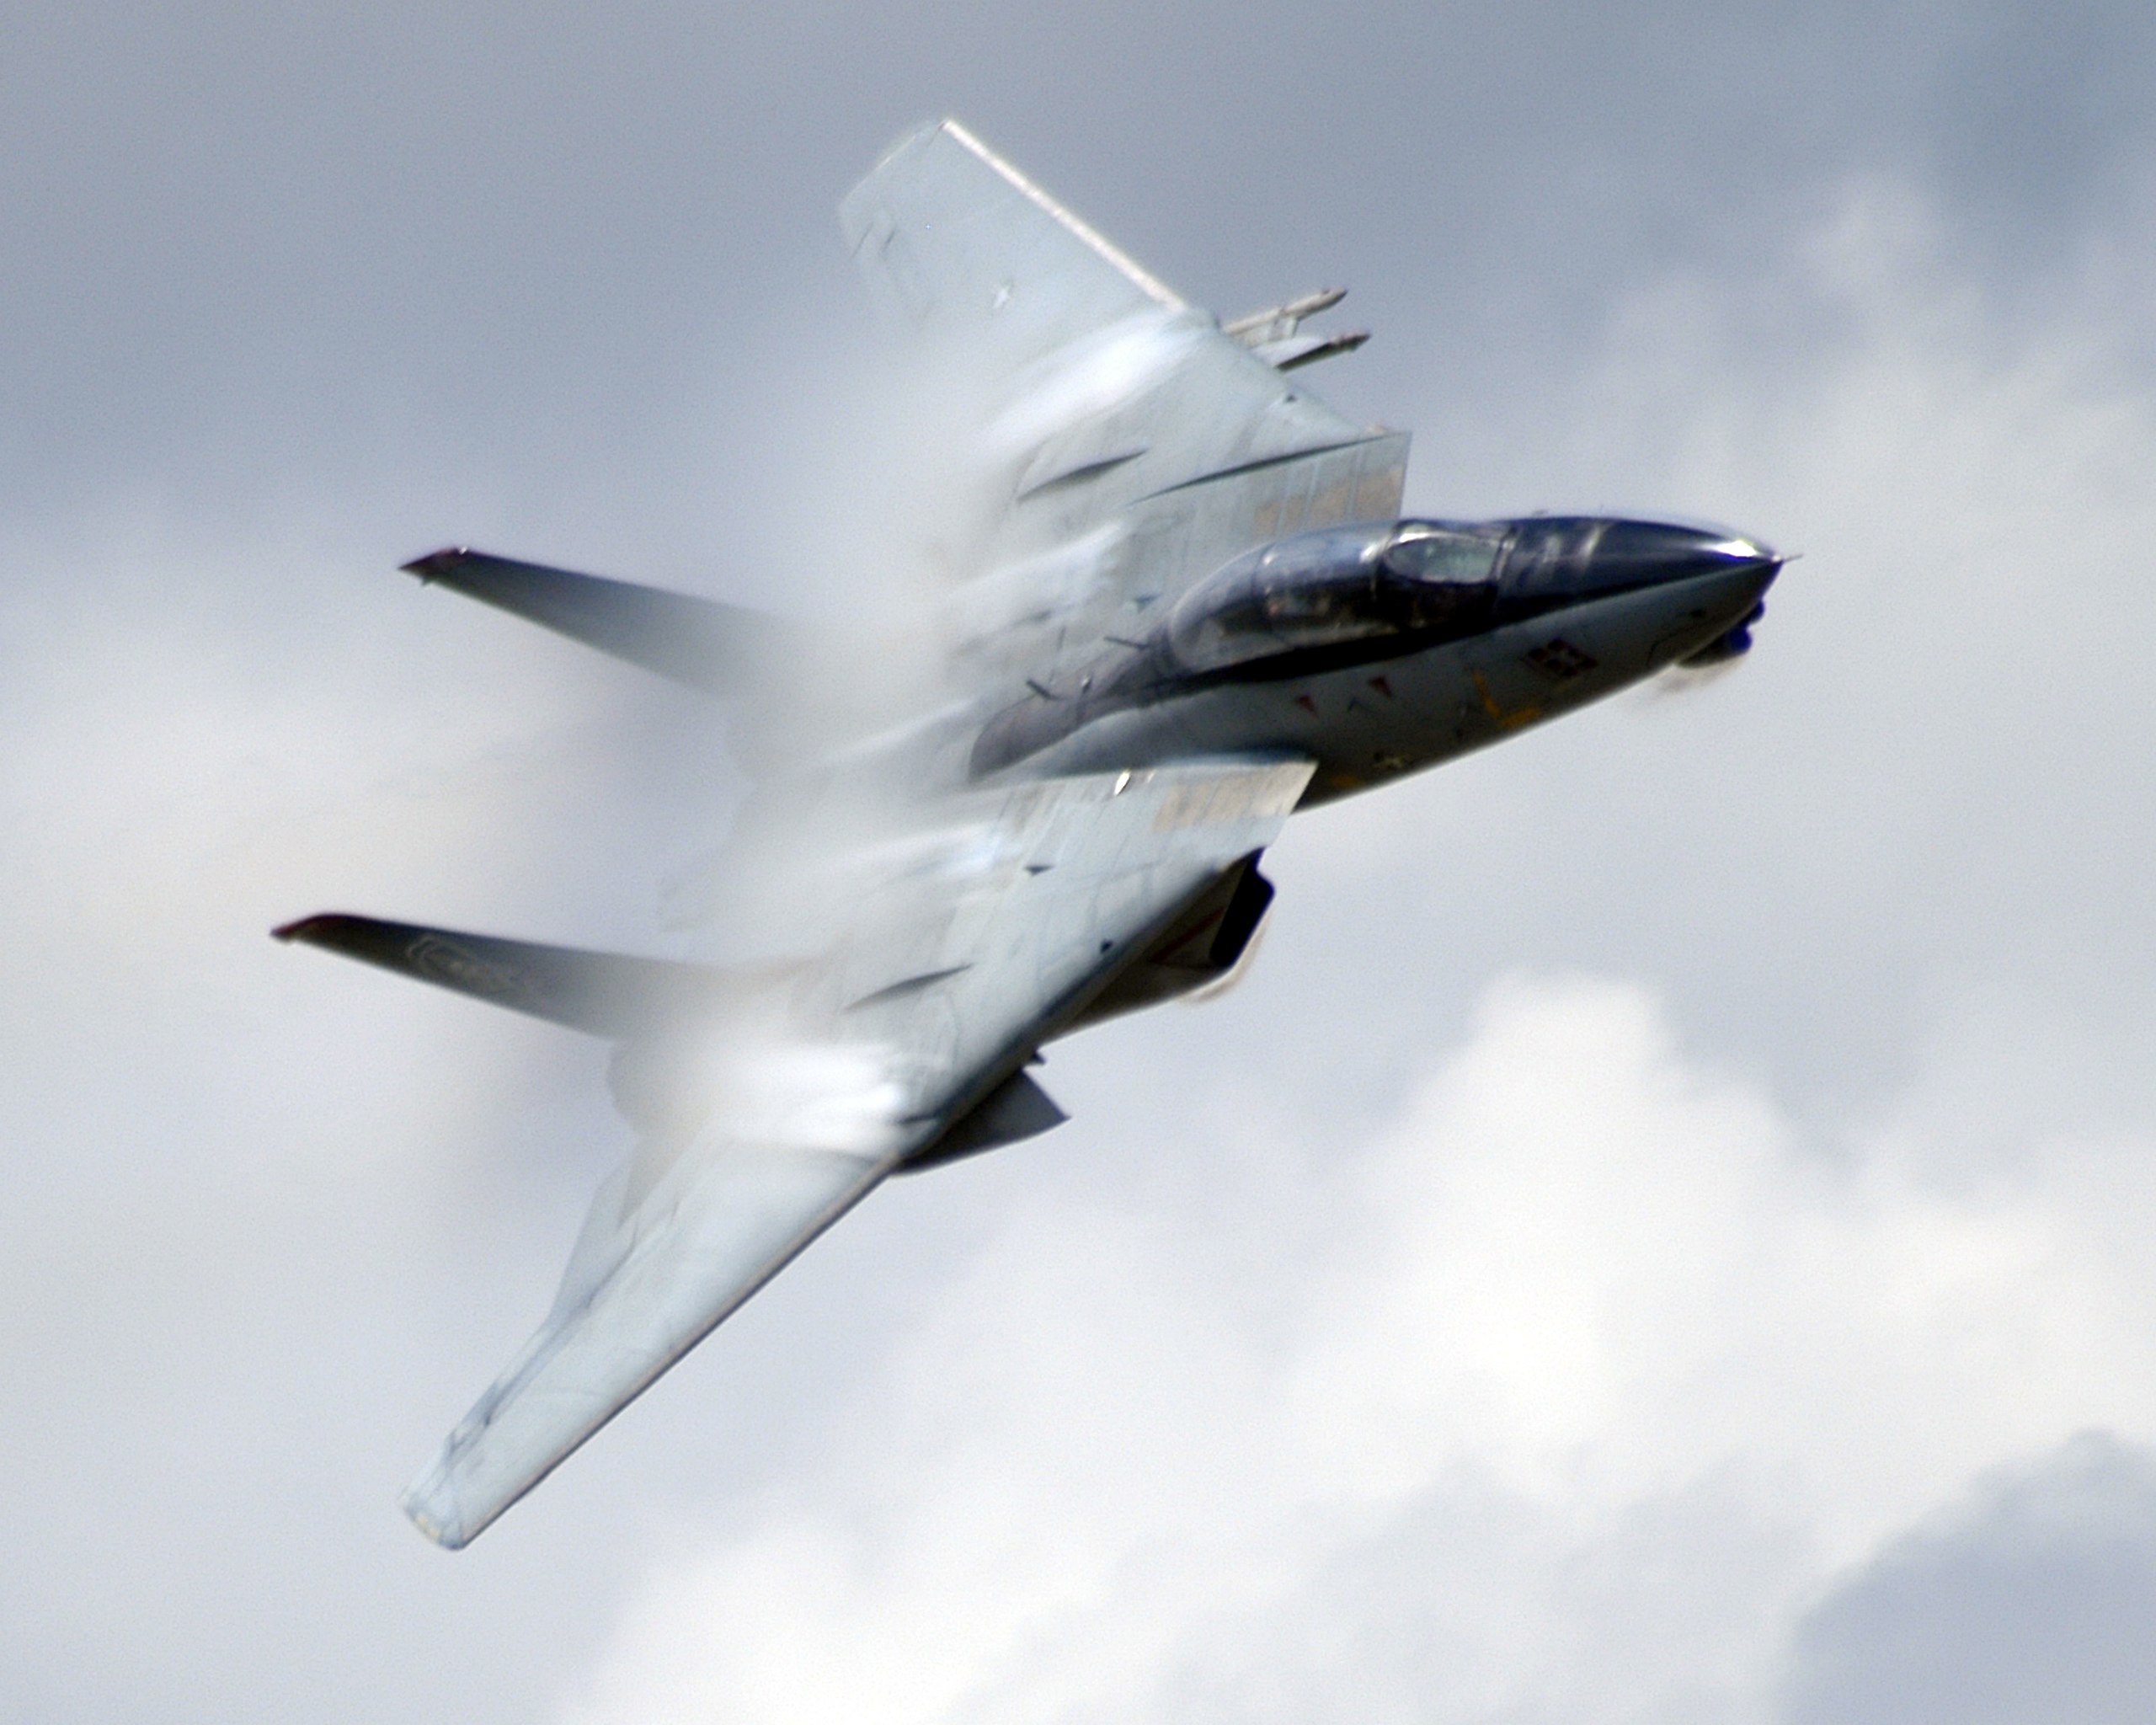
column 1382, row 686
column 1308, row 705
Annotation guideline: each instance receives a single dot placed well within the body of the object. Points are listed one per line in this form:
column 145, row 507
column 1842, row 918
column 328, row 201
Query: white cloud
column 2029, row 1600
column 1594, row 1349
column 1557, row 1390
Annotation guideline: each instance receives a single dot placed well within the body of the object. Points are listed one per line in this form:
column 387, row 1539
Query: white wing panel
column 696, row 1253
column 1124, row 442
column 950, row 234
column 945, row 977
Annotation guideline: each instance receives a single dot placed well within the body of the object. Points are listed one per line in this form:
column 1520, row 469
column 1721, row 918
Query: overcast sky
column 1663, row 1234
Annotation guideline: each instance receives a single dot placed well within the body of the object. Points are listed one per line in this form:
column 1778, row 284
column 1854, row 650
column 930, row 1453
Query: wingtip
column 433, row 1509
column 313, row 927
column 449, row 1538
column 914, row 136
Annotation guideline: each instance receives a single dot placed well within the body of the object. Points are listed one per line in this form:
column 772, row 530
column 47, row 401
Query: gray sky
column 1660, row 1236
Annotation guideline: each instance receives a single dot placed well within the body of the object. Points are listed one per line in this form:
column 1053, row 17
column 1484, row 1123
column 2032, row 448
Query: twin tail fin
column 717, row 649
column 603, row 993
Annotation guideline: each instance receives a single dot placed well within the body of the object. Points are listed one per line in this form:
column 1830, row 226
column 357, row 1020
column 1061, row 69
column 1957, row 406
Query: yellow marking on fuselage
column 1510, row 721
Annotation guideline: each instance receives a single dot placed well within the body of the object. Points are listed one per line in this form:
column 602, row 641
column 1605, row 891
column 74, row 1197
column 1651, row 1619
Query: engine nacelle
column 1203, row 948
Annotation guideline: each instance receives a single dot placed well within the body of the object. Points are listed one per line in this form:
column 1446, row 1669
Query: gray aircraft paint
column 995, row 897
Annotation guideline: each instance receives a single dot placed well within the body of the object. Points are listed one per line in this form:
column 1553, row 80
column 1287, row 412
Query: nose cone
column 1631, row 554
column 1568, row 559
column 1707, row 584
column 1715, row 585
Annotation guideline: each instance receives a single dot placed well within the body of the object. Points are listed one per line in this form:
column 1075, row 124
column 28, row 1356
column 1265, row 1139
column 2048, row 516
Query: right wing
column 992, row 925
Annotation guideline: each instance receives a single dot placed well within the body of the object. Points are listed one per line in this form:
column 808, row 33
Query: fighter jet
column 1192, row 608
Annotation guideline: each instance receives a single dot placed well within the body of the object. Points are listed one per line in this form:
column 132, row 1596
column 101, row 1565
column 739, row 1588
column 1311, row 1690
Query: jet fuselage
column 1381, row 648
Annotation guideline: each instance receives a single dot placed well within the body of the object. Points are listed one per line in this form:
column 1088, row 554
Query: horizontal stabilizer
column 715, row 648
column 602, row 993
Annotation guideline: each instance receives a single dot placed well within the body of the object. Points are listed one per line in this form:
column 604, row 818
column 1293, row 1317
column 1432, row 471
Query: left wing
column 988, row 929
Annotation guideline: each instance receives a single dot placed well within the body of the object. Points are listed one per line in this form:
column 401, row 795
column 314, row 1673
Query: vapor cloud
column 1659, row 1234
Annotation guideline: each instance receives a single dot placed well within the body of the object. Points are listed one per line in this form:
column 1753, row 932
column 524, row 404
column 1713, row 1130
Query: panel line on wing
column 1083, row 232
column 905, row 986
column 1262, row 462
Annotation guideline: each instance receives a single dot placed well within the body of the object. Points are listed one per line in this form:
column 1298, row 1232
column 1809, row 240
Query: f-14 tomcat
column 1192, row 609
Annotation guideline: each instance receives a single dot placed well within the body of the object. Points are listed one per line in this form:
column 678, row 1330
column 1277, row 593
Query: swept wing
column 1005, row 914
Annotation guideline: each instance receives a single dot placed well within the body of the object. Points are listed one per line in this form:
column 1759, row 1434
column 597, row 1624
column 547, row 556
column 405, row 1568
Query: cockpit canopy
column 1438, row 551
column 1337, row 587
